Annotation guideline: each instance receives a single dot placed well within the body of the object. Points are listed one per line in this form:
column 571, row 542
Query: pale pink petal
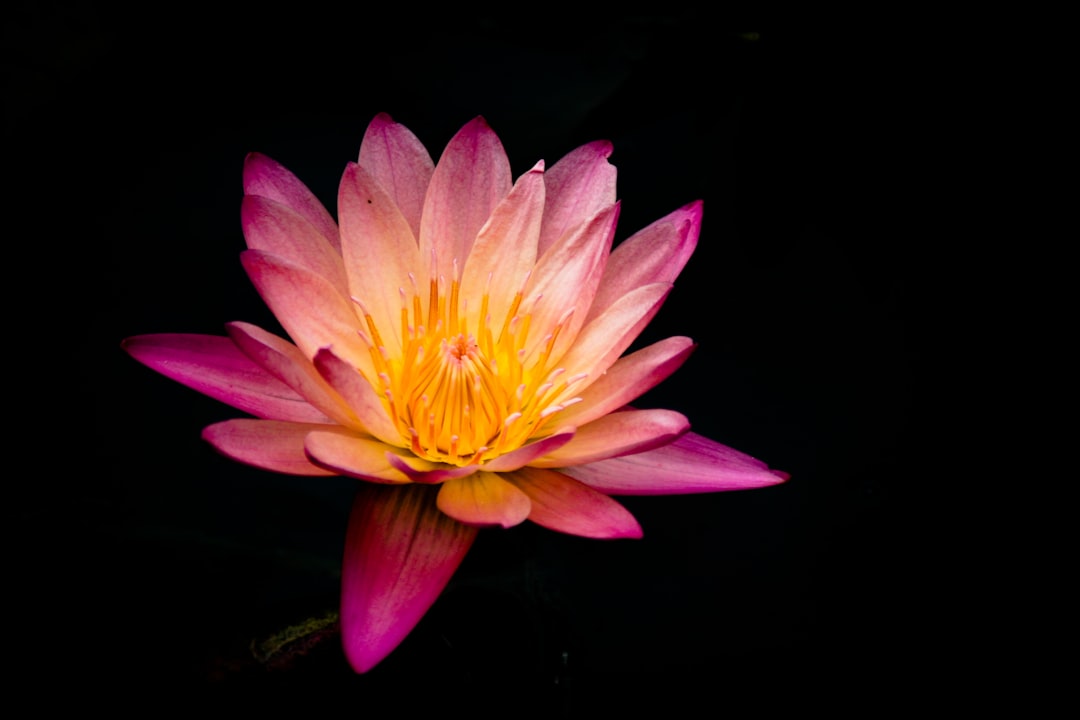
column 267, row 444
column 312, row 311
column 691, row 464
column 360, row 396
column 470, row 180
column 620, row 433
column 268, row 178
column 380, row 253
column 530, row 452
column 348, row 453
column 629, row 378
column 566, row 277
column 657, row 253
column 579, row 185
column 285, row 361
column 400, row 163
column 268, row 225
column 505, row 251
column 484, row 499
column 400, row 552
column 559, row 502
column 214, row 366
column 604, row 338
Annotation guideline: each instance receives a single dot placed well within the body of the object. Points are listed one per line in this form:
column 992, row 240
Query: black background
column 152, row 562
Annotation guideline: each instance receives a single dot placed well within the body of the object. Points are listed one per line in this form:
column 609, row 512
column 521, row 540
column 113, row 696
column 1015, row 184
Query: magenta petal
column 347, row 453
column 627, row 432
column 627, row 379
column 657, row 253
column 566, row 505
column 472, row 176
column 399, row 163
column 270, row 179
column 400, row 551
column 566, row 278
column 277, row 229
column 381, row 257
column 531, row 451
column 267, row 444
column 215, row 366
column 579, row 185
column 359, row 395
column 284, row 361
column 427, row 472
column 690, row 464
column 309, row 307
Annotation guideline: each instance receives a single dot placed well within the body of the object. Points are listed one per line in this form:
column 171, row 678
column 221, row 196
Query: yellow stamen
column 460, row 389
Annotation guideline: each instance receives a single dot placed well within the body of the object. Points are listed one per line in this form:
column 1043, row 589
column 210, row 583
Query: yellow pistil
column 464, row 395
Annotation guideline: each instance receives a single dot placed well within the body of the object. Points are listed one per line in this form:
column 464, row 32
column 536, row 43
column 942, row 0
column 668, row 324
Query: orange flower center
column 462, row 395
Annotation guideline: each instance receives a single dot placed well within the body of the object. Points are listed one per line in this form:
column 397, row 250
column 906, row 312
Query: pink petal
column 400, row 163
column 566, row 277
column 484, row 499
column 380, row 253
column 268, row 178
column 470, row 180
column 629, row 378
column 691, row 464
column 214, row 366
column 579, row 185
column 400, row 552
column 526, row 454
column 604, row 338
column 621, row 433
column 561, row 503
column 284, row 361
column 348, row 453
column 266, row 444
column 505, row 251
column 360, row 396
column 657, row 253
column 273, row 227
column 423, row 471
column 312, row 311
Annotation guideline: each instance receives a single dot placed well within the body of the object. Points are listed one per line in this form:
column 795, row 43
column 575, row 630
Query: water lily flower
column 457, row 343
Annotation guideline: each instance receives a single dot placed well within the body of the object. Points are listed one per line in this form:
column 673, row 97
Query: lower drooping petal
column 561, row 503
column 691, row 464
column 400, row 551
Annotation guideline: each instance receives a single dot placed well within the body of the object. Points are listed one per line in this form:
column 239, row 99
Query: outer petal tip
column 782, row 477
column 690, row 464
